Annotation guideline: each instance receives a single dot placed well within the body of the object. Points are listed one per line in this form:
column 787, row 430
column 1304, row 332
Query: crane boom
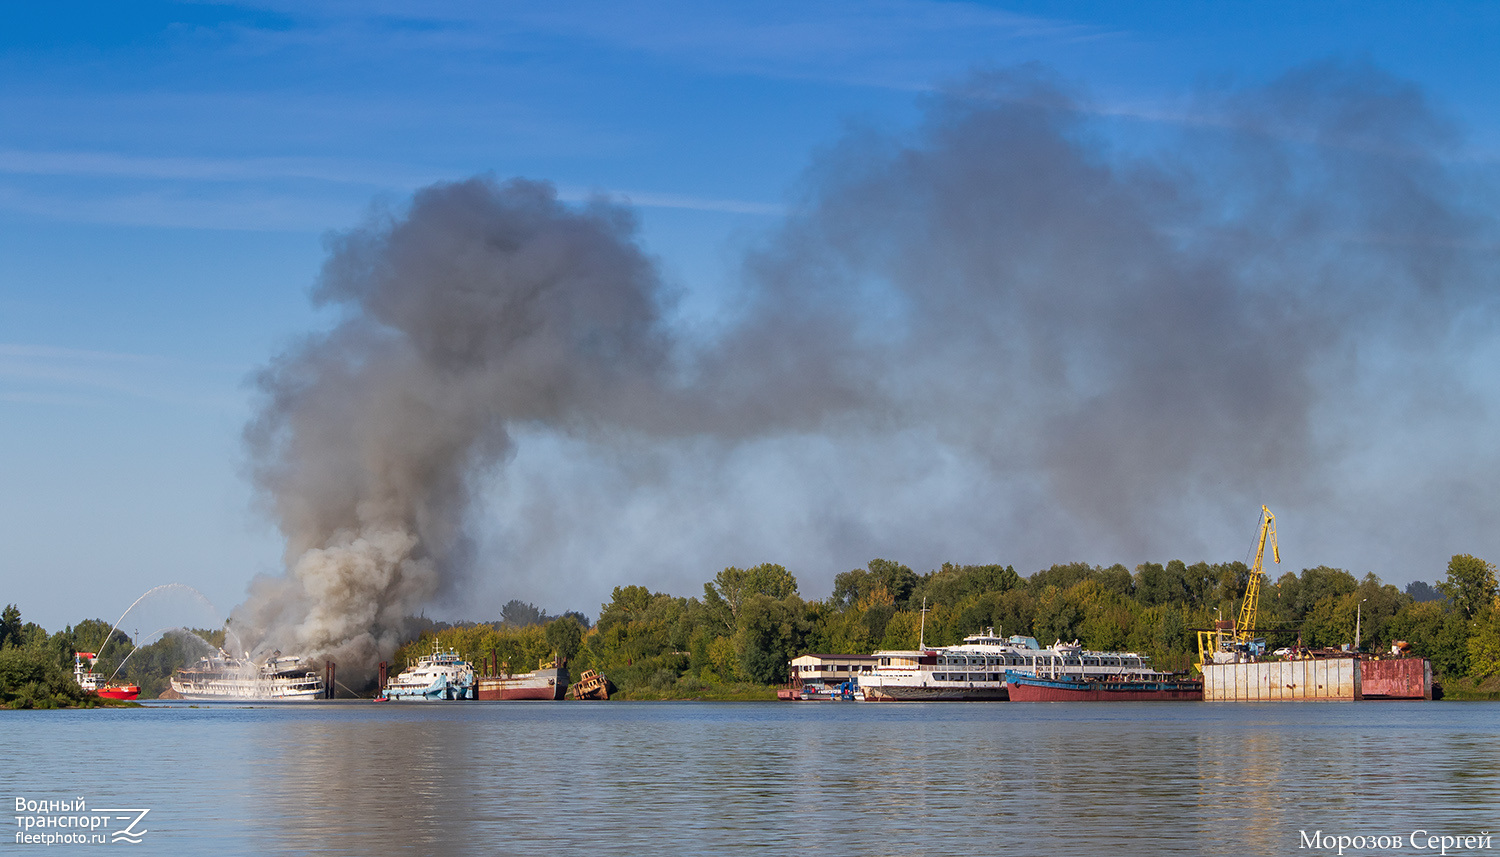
column 1244, row 629
column 1230, row 642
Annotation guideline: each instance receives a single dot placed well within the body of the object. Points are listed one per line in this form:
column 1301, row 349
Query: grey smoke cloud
column 1020, row 331
column 482, row 307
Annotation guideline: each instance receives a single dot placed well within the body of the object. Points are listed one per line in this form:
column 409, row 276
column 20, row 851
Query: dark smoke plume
column 482, row 307
column 1114, row 329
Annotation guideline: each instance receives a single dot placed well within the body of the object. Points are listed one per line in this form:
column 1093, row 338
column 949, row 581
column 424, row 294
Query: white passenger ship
column 974, row 670
column 229, row 678
column 440, row 676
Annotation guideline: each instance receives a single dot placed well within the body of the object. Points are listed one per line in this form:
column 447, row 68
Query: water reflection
column 825, row 778
column 362, row 782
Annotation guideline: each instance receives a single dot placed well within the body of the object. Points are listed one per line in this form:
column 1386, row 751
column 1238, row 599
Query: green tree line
column 737, row 638
column 749, row 623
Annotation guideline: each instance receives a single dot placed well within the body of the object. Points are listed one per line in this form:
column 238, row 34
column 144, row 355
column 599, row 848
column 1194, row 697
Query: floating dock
column 1399, row 678
column 1347, row 679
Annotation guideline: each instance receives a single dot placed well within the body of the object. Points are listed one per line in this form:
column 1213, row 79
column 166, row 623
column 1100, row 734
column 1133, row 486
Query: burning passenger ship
column 228, row 678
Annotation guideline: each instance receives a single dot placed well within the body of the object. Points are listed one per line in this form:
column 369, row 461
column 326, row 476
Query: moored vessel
column 974, row 670
column 222, row 677
column 810, row 692
column 438, row 677
column 1027, row 687
column 549, row 681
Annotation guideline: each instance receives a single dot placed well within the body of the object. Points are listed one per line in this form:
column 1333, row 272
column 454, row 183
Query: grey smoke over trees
column 1109, row 329
column 483, row 306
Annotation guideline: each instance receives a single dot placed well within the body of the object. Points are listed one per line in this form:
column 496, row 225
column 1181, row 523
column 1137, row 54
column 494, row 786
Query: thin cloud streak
column 251, row 194
column 172, row 207
column 857, row 44
column 117, row 165
column 52, row 352
column 651, row 199
column 47, row 374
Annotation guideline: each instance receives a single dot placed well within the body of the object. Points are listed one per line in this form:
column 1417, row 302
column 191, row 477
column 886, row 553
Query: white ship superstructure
column 440, row 676
column 975, row 669
column 225, row 677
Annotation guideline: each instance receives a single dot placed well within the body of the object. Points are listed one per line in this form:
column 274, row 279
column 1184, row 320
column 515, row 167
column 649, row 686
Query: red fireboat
column 87, row 679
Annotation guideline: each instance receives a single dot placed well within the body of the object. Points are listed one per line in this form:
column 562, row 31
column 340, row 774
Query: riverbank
column 692, row 691
column 1487, row 690
column 27, row 700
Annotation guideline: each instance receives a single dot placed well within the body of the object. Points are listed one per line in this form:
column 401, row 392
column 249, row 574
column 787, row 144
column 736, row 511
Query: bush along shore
column 30, row 679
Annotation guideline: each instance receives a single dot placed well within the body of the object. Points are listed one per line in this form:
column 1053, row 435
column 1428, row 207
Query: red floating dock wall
column 1404, row 678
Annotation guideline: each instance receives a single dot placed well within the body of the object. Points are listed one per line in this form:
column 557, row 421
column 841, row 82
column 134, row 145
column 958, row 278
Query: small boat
column 591, row 685
column 1029, row 687
column 812, row 692
column 84, row 674
column 438, row 677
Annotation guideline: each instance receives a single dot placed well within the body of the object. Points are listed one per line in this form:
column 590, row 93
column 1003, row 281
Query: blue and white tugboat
column 437, row 677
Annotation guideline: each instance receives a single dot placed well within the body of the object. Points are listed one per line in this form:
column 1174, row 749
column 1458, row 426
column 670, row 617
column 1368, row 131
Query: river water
column 831, row 778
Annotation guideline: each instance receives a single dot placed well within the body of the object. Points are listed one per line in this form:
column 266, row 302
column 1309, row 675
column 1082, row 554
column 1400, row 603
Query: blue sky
column 169, row 173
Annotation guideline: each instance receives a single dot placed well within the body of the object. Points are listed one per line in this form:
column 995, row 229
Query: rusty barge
column 549, row 681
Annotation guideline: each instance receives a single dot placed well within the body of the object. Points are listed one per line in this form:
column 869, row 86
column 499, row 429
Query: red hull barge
column 547, row 682
column 1030, row 688
column 519, row 687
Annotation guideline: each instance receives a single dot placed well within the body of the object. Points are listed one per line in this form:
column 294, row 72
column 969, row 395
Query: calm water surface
column 819, row 778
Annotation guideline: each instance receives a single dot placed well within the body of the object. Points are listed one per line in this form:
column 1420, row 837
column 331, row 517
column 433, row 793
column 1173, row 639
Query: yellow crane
column 1229, row 643
column 1244, row 630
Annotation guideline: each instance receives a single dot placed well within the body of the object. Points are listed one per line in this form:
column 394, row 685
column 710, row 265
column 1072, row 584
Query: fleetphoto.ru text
column 73, row 822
